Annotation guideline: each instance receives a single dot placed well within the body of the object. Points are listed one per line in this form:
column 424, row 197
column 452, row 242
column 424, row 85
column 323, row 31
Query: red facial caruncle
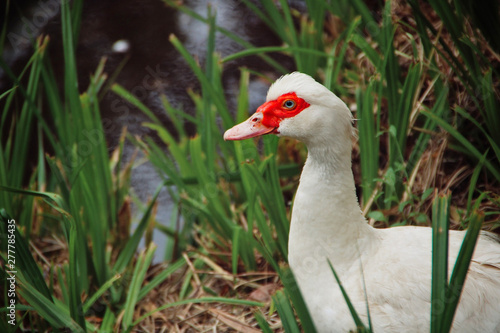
column 285, row 106
column 268, row 117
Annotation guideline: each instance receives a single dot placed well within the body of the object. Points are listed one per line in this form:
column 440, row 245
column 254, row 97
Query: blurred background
column 133, row 37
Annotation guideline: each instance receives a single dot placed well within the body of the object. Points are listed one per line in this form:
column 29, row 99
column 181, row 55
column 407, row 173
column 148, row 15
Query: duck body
column 385, row 270
column 388, row 269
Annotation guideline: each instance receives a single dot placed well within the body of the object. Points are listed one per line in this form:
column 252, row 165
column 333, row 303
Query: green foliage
column 292, row 293
column 196, row 170
column 82, row 192
column 446, row 293
column 308, row 37
column 360, row 326
column 475, row 72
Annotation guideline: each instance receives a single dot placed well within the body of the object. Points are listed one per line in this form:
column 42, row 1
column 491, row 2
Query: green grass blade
column 375, row 57
column 70, row 76
column 25, row 261
column 75, row 276
column 357, row 320
column 281, row 220
column 130, row 248
column 176, row 116
column 274, row 206
column 138, row 276
column 293, row 292
column 494, row 145
column 108, row 321
column 406, row 102
column 439, row 108
column 460, row 270
column 335, row 63
column 367, row 16
column 261, row 320
column 368, row 141
column 285, row 311
column 129, row 97
column 185, row 9
column 231, row 301
column 236, row 247
column 76, row 18
column 390, row 66
column 464, row 142
column 490, row 112
column 19, row 155
column 175, row 148
column 218, row 99
column 440, row 223
column 158, row 279
column 91, row 300
column 207, row 115
column 473, row 182
column 57, row 317
column 455, row 23
column 284, row 49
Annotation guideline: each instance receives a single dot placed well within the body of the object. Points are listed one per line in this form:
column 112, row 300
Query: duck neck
column 326, row 218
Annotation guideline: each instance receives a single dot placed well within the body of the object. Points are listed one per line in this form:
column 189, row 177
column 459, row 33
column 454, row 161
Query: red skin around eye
column 273, row 111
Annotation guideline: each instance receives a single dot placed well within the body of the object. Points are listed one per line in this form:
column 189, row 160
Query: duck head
column 298, row 107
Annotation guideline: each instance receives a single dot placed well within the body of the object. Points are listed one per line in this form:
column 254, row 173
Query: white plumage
column 392, row 265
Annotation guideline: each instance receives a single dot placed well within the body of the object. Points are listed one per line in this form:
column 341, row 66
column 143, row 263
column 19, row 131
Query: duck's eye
column 289, row 104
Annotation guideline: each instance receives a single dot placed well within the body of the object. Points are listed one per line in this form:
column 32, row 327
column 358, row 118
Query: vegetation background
column 422, row 80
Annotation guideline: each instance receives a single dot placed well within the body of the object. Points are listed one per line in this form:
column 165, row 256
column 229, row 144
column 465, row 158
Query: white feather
column 394, row 265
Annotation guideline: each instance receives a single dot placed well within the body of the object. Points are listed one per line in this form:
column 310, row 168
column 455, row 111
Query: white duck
column 327, row 223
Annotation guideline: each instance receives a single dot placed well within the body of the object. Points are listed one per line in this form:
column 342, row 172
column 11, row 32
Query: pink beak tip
column 250, row 128
column 227, row 135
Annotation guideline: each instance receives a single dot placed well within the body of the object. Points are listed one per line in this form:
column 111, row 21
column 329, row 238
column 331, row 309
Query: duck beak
column 250, row 128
